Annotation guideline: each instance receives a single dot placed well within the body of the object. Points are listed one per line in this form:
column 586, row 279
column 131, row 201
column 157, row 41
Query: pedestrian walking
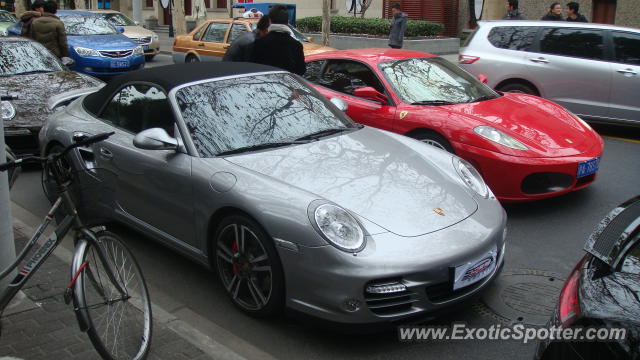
column 27, row 17
column 397, row 27
column 573, row 14
column 555, row 13
column 512, row 11
column 278, row 48
column 242, row 48
column 48, row 30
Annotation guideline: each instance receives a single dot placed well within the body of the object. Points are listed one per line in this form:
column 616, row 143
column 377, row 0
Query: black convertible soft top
column 170, row 76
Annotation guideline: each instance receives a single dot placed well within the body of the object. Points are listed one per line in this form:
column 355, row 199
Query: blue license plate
column 120, row 64
column 588, row 167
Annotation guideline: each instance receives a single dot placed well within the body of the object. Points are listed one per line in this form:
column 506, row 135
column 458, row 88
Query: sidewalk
column 42, row 326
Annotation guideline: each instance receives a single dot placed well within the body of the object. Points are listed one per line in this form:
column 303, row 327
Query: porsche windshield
column 253, row 111
column 433, row 81
column 23, row 57
column 87, row 25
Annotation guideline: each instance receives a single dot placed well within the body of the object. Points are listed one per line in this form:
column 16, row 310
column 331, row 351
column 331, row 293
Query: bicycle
column 109, row 293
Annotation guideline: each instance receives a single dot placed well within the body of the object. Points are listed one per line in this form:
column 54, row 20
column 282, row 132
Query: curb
column 22, row 219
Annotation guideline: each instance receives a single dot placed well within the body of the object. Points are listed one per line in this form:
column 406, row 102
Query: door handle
column 627, row 72
column 106, row 153
column 226, row 47
column 539, row 60
column 201, row 44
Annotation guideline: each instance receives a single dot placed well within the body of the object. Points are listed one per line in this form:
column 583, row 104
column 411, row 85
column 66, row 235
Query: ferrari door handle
column 226, row 47
column 201, row 44
column 106, row 153
column 539, row 60
column 627, row 72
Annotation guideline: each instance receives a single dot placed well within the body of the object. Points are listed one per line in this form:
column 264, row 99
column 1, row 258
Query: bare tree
column 364, row 5
column 179, row 22
column 20, row 7
column 230, row 4
column 326, row 22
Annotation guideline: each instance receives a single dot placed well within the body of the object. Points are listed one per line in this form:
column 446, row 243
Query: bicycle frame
column 41, row 255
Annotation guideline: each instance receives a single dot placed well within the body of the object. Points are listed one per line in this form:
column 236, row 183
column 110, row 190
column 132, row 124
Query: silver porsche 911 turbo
column 247, row 169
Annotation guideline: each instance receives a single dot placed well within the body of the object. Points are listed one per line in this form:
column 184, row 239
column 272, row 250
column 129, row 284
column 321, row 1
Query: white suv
column 591, row 69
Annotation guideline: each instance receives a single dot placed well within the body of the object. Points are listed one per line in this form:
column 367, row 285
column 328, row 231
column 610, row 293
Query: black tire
column 191, row 59
column 119, row 328
column 433, row 139
column 518, row 88
column 249, row 267
column 149, row 57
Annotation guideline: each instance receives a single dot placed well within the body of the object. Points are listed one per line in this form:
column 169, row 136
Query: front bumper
column 101, row 66
column 325, row 282
column 514, row 178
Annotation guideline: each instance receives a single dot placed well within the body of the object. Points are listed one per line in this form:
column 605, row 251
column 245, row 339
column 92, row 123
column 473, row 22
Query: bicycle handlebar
column 37, row 159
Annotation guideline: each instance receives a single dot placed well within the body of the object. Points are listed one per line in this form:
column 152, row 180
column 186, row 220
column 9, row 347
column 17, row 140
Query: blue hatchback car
column 97, row 47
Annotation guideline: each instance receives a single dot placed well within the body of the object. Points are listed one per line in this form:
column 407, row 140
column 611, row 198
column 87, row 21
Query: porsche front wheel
column 248, row 266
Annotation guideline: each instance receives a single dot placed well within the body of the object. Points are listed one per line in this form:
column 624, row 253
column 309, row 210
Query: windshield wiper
column 433, row 102
column 259, row 147
column 33, row 72
column 326, row 132
column 483, row 98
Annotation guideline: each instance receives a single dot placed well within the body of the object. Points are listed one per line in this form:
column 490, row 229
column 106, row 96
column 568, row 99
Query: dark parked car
column 603, row 291
column 33, row 82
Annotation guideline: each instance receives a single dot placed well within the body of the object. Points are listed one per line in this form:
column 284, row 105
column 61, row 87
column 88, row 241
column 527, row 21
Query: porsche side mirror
column 120, row 29
column 370, row 93
column 137, row 23
column 483, row 78
column 155, row 139
column 339, row 103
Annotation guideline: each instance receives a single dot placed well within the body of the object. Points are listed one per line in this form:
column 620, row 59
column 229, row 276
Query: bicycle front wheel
column 119, row 326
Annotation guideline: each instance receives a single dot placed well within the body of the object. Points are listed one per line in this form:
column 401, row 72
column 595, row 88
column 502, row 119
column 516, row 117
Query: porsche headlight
column 85, row 52
column 499, row 137
column 340, row 228
column 154, row 37
column 471, row 177
column 7, row 111
column 138, row 50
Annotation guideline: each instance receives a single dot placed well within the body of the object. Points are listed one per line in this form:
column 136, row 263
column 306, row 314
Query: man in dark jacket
column 28, row 16
column 49, row 30
column 398, row 26
column 573, row 14
column 512, row 11
column 242, row 48
column 278, row 48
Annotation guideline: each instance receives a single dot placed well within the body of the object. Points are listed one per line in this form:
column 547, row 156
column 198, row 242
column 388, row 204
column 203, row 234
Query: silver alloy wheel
column 244, row 267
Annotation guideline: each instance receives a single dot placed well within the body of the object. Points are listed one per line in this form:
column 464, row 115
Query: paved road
column 546, row 235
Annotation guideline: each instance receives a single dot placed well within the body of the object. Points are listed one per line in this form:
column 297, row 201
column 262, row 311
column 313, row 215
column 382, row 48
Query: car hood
column 33, row 91
column 137, row 31
column 102, row 42
column 310, row 48
column 546, row 128
column 374, row 175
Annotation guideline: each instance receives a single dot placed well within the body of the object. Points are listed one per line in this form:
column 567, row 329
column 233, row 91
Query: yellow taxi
column 210, row 40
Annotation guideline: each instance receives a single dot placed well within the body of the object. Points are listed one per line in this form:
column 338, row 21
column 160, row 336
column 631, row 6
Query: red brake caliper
column 234, row 249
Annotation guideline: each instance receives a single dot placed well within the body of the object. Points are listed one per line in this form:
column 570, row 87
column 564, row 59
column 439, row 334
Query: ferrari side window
column 313, row 71
column 346, row 76
column 216, row 32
